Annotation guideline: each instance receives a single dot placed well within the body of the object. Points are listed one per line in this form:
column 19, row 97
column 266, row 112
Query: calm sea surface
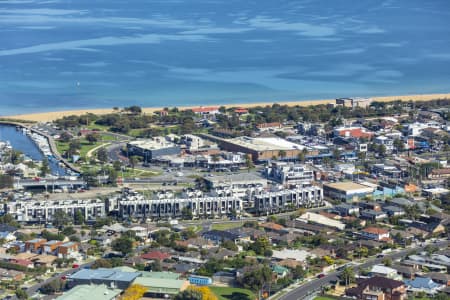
column 63, row 54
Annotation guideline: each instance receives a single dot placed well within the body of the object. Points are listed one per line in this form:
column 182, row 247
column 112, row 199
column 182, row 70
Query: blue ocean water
column 63, row 54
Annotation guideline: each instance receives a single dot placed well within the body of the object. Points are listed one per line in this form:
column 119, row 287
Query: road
column 34, row 289
column 307, row 289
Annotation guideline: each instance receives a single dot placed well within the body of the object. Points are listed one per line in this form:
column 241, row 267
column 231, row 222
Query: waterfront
column 23, row 143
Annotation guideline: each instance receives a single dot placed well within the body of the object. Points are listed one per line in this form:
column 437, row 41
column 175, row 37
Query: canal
column 23, row 143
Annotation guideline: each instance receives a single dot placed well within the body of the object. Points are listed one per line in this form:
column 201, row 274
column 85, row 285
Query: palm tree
column 282, row 154
column 347, row 275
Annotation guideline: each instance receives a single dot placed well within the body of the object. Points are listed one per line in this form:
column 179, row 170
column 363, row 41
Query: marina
column 32, row 145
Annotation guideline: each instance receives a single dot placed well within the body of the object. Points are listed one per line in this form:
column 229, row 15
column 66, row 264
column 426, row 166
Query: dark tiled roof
column 374, row 282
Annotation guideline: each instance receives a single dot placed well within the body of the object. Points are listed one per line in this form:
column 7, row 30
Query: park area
column 228, row 293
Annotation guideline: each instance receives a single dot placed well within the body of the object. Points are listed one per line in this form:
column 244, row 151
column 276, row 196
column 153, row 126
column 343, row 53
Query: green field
column 225, row 226
column 227, row 293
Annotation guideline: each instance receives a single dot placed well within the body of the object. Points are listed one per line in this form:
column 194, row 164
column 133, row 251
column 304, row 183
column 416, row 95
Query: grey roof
column 393, row 208
column 346, row 206
column 372, row 212
column 401, row 202
column 104, row 274
column 92, row 292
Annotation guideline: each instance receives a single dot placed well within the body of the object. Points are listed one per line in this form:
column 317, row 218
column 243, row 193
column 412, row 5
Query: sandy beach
column 51, row 116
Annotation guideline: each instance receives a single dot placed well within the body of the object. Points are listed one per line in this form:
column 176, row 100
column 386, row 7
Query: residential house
column 22, row 262
column 424, row 284
column 51, row 247
column 67, row 249
column 345, row 209
column 373, row 215
column 268, row 126
column 205, row 111
column 440, row 278
column 378, row 288
column 439, row 173
column 274, row 227
column 156, row 255
column 394, row 211
column 375, row 233
column 34, row 245
column 11, row 275
column 7, row 232
column 219, row 236
column 44, row 260
column 383, row 271
column 405, row 271
column 298, row 255
column 221, row 253
column 280, row 271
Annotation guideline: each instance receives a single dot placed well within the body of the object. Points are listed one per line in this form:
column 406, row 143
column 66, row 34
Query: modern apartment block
column 290, row 173
column 43, row 211
column 274, row 201
column 139, row 207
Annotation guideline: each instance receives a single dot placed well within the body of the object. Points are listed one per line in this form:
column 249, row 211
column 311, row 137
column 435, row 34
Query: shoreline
column 51, row 116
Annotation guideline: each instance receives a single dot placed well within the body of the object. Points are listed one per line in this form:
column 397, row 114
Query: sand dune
column 51, row 116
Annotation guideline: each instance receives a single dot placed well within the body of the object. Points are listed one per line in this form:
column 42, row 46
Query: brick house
column 378, row 288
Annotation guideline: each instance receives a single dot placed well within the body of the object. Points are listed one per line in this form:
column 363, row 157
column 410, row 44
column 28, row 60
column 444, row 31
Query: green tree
column 123, row 245
column 399, row 145
column 60, row 219
column 256, row 278
column 282, row 154
column 387, row 261
column 102, row 155
column 336, row 154
column 382, row 150
column 45, row 167
column 6, row 181
column 74, row 147
column 298, row 272
column 78, row 218
column 189, row 294
column 53, row 287
column 249, row 162
column 133, row 161
column 21, row 294
column 347, row 275
column 230, row 245
column 68, row 230
column 262, row 246
column 92, row 138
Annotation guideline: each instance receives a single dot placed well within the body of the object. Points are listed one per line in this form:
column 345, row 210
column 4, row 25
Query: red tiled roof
column 205, row 109
column 375, row 230
column 441, row 171
column 22, row 262
column 155, row 255
column 272, row 226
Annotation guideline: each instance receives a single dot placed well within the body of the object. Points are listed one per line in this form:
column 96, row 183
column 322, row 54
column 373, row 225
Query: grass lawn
column 85, row 145
column 130, row 173
column 228, row 293
column 324, row 298
column 93, row 126
column 225, row 226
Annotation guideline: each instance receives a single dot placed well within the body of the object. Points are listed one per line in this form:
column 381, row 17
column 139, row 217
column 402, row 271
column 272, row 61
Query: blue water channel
column 23, row 143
